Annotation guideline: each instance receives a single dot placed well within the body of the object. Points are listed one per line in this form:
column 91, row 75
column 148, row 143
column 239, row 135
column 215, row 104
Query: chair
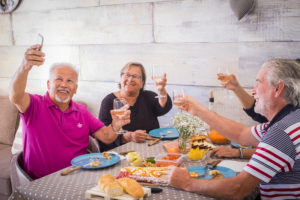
column 17, row 173
column 93, row 145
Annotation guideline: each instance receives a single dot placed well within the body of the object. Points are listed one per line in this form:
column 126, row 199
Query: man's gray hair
column 288, row 72
column 62, row 64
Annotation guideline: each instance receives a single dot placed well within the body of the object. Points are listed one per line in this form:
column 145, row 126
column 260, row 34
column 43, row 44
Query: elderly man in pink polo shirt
column 55, row 128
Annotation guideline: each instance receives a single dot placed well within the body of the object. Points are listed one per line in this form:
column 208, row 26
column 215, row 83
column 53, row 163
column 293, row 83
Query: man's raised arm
column 17, row 94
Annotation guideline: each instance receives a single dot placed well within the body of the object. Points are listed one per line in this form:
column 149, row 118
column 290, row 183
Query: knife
column 154, row 142
column 72, row 169
column 214, row 164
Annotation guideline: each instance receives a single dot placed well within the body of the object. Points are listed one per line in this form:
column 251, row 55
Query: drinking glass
column 157, row 76
column 224, row 76
column 178, row 96
column 118, row 106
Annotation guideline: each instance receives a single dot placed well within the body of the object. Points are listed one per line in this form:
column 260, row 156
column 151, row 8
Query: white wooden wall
column 189, row 39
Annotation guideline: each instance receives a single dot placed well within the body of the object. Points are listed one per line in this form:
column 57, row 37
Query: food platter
column 85, row 160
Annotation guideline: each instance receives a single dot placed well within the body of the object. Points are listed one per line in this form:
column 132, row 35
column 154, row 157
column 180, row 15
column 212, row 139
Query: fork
column 205, row 173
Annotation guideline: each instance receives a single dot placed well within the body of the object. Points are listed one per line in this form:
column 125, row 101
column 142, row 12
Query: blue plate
column 167, row 133
column 85, row 159
column 227, row 172
column 235, row 145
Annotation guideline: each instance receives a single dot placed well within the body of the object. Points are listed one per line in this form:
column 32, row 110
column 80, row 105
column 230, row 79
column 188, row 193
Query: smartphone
column 40, row 41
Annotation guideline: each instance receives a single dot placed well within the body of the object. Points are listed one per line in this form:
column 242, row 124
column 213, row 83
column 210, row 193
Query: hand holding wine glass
column 160, row 80
column 178, row 97
column 223, row 74
column 120, row 110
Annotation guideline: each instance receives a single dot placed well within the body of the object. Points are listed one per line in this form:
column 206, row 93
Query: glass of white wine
column 223, row 74
column 157, row 76
column 119, row 108
column 224, row 77
column 178, row 96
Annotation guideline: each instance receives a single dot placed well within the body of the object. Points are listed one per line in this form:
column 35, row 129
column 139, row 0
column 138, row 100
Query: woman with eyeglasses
column 144, row 105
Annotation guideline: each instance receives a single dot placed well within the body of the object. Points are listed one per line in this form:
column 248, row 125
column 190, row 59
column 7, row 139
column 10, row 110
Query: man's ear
column 76, row 89
column 279, row 89
column 48, row 84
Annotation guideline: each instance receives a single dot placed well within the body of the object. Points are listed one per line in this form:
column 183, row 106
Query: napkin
column 236, row 166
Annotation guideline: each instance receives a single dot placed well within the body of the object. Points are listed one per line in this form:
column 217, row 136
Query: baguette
column 132, row 187
column 107, row 183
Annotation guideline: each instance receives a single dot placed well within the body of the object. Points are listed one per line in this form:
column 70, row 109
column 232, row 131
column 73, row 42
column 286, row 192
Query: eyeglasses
column 129, row 75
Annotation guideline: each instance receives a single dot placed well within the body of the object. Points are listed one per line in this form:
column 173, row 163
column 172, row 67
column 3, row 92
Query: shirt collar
column 281, row 114
column 73, row 106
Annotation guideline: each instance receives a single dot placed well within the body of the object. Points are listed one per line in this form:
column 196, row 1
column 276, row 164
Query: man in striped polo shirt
column 275, row 165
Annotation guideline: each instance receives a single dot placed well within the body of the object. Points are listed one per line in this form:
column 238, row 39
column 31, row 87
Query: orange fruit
column 216, row 137
column 173, row 150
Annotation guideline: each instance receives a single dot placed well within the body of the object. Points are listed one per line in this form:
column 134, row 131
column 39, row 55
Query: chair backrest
column 93, row 145
column 18, row 175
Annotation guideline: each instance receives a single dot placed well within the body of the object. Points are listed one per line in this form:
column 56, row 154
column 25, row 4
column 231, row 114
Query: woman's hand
column 120, row 120
column 139, row 136
column 160, row 85
column 225, row 152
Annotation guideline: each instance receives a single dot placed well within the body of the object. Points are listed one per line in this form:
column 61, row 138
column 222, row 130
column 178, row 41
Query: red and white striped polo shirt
column 277, row 158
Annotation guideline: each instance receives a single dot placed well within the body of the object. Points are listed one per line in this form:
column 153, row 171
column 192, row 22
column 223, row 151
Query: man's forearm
column 237, row 187
column 18, row 84
column 244, row 97
column 106, row 134
column 228, row 128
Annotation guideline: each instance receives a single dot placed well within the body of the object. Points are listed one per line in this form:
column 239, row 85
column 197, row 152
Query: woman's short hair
column 135, row 64
column 288, row 72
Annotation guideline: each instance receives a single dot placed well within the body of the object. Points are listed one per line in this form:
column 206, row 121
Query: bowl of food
column 167, row 159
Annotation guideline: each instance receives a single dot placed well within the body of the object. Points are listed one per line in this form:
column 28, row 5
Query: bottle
column 211, row 101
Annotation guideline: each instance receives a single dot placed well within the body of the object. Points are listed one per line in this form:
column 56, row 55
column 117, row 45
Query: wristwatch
column 8, row 6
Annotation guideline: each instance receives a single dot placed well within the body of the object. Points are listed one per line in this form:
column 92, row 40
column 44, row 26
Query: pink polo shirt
column 52, row 138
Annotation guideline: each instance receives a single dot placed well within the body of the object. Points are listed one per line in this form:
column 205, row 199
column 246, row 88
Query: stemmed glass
column 224, row 76
column 157, row 76
column 178, row 96
column 119, row 108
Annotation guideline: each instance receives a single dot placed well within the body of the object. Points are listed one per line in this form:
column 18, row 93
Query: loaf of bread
column 132, row 187
column 108, row 184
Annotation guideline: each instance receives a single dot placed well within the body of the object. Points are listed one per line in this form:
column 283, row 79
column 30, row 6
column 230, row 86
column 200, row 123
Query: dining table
column 74, row 185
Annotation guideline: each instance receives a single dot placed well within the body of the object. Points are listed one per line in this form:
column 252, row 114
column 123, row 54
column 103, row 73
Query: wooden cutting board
column 96, row 193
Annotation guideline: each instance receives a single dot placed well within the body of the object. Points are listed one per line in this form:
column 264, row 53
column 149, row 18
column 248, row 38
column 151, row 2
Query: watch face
column 7, row 6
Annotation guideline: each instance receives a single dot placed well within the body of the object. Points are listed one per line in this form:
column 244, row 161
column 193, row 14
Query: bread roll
column 107, row 183
column 131, row 187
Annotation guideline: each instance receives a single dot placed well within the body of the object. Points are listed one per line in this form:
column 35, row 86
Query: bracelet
column 241, row 153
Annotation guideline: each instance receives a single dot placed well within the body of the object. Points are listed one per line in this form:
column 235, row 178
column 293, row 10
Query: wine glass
column 157, row 76
column 178, row 96
column 119, row 108
column 224, row 76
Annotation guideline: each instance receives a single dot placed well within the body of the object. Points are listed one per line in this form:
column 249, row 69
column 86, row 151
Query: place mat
column 236, row 166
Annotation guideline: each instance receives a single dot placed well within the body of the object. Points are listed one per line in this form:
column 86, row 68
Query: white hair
column 288, row 72
column 62, row 64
